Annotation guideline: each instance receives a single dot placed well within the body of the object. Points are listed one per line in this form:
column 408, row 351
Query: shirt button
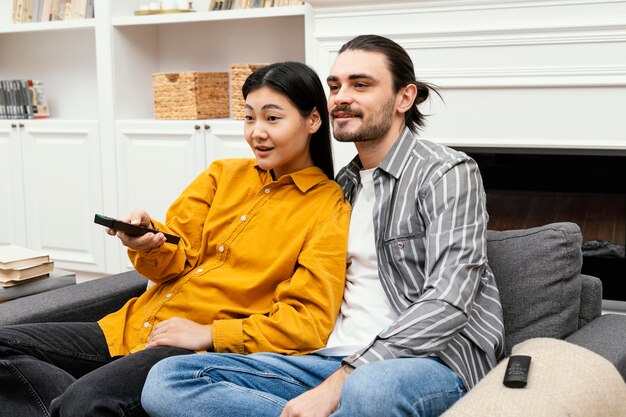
column 199, row 271
column 267, row 191
column 243, row 218
column 221, row 249
column 168, row 295
column 146, row 324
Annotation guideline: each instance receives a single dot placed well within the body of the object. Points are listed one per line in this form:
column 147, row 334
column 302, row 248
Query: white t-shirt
column 365, row 309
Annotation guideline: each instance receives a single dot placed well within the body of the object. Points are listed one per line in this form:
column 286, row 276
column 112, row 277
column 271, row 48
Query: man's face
column 361, row 101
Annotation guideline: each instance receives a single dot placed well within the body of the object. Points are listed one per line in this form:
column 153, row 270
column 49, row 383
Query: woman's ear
column 314, row 121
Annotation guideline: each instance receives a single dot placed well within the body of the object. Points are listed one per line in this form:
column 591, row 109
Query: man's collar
column 399, row 154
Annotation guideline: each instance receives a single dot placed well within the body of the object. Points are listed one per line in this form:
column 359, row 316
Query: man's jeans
column 258, row 385
column 58, row 369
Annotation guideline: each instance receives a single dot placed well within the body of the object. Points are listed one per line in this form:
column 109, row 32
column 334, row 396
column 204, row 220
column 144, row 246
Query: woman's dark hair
column 400, row 65
column 302, row 86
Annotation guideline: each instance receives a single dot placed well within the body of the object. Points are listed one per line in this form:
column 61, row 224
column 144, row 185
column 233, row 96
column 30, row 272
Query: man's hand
column 322, row 400
column 182, row 333
column 138, row 243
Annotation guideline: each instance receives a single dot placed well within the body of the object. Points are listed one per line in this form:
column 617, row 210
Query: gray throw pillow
column 537, row 271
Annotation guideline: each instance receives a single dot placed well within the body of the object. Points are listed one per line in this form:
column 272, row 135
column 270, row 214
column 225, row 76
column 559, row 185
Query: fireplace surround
column 530, row 189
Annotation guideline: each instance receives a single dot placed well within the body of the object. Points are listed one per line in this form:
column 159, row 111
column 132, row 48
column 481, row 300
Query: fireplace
column 527, row 190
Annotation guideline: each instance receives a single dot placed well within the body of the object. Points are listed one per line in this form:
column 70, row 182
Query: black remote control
column 131, row 229
column 516, row 374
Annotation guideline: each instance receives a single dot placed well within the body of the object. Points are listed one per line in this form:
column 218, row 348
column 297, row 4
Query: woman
column 260, row 267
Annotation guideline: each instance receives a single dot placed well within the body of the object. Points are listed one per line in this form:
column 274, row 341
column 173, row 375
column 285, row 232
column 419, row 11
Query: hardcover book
column 11, row 277
column 14, row 256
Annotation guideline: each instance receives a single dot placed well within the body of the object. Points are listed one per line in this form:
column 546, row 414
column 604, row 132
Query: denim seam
column 95, row 358
column 459, row 391
column 208, row 369
column 18, row 375
column 254, row 392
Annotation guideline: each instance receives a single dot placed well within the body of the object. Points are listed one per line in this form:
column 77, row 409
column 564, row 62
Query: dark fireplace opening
column 528, row 190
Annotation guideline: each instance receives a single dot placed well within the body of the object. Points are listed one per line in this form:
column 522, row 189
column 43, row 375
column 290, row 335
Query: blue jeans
column 64, row 369
column 214, row 384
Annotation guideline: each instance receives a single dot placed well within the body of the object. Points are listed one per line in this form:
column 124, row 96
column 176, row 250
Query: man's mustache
column 345, row 109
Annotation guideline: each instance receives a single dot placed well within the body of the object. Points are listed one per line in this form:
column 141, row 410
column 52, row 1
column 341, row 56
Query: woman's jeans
column 258, row 385
column 65, row 370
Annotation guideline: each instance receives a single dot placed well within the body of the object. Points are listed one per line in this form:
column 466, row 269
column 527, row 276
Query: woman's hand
column 138, row 243
column 182, row 333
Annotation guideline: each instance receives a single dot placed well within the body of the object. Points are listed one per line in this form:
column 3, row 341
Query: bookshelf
column 97, row 75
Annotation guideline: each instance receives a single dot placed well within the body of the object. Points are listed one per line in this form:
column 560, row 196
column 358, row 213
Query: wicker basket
column 190, row 95
column 238, row 75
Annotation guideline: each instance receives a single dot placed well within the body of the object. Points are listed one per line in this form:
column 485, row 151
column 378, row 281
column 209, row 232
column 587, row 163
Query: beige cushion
column 564, row 380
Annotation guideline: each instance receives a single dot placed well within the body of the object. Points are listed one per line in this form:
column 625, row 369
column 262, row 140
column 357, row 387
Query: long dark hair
column 302, row 86
column 400, row 65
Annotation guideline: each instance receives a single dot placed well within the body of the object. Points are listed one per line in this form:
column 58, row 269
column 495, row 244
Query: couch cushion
column 537, row 271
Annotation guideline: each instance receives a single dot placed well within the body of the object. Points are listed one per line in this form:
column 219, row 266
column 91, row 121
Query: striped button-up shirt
column 430, row 224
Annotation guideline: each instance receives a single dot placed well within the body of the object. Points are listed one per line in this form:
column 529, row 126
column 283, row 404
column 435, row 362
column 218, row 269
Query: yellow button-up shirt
column 263, row 261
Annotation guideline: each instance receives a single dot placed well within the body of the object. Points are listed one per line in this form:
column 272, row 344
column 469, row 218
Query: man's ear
column 406, row 98
column 314, row 120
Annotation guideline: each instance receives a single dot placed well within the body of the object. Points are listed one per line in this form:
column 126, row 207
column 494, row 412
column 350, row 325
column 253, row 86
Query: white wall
column 542, row 74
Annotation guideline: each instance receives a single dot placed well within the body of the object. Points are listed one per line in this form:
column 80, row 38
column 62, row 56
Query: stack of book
column 24, row 271
column 23, row 99
column 251, row 4
column 25, row 11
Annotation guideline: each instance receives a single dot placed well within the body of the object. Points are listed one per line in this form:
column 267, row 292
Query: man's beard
column 372, row 130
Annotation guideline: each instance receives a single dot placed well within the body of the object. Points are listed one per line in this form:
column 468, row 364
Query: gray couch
column 537, row 270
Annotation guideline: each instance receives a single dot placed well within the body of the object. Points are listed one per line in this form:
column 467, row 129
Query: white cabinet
column 157, row 159
column 53, row 189
column 102, row 151
column 201, row 41
column 12, row 217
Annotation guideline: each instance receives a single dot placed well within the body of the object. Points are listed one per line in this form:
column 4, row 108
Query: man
column 421, row 320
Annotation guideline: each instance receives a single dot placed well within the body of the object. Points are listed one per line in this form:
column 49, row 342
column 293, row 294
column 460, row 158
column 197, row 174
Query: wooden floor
column 600, row 216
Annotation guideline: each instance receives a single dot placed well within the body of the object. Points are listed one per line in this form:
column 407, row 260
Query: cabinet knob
column 21, row 124
column 197, row 127
column 13, row 125
column 207, row 127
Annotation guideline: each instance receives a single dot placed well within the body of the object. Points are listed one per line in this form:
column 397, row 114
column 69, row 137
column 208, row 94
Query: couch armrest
column 563, row 380
column 606, row 336
column 87, row 301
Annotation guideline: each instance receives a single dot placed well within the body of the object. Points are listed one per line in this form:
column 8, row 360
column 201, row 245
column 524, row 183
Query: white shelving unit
column 98, row 79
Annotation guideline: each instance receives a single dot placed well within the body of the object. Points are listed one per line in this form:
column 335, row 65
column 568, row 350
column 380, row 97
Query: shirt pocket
column 403, row 243
column 404, row 249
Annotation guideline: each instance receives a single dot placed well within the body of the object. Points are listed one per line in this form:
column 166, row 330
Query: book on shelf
column 58, row 278
column 38, row 98
column 46, row 11
column 25, row 11
column 23, row 99
column 81, row 9
column 14, row 256
column 251, row 4
column 14, row 276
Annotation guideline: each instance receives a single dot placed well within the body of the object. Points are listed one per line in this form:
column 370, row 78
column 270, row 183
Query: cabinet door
column 12, row 217
column 62, row 191
column 156, row 161
column 225, row 139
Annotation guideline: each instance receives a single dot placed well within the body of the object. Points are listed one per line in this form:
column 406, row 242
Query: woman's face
column 276, row 132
